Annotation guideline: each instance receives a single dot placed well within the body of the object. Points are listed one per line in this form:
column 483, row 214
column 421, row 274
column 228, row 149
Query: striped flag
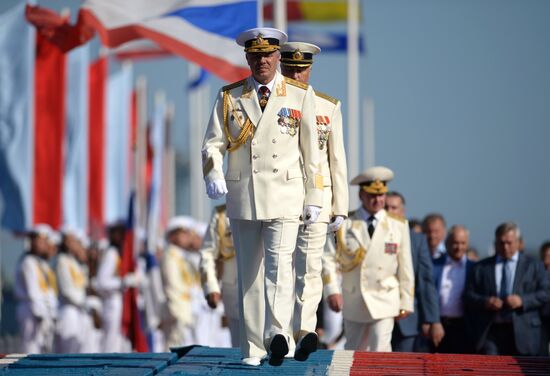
column 49, row 132
column 96, row 140
column 201, row 31
column 327, row 40
column 75, row 181
column 317, row 11
column 131, row 321
column 16, row 118
column 140, row 49
column 117, row 142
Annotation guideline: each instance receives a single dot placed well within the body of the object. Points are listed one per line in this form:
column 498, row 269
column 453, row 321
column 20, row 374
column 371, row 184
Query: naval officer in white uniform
column 266, row 124
column 296, row 63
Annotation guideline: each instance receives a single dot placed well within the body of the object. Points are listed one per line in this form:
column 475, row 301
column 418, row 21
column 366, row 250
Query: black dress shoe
column 277, row 349
column 306, row 346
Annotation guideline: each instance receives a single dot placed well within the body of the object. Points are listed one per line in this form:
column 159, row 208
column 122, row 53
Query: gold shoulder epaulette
column 234, row 85
column 326, row 96
column 299, row 84
column 220, row 208
column 397, row 217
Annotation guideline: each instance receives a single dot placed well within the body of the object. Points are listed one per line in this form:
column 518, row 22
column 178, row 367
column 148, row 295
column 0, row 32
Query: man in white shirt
column 450, row 273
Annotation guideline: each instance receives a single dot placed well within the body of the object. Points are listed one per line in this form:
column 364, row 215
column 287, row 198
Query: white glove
column 311, row 213
column 131, row 280
column 93, row 303
column 336, row 223
column 216, row 189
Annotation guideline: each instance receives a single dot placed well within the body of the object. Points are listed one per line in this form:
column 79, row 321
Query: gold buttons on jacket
column 255, row 171
column 274, row 140
column 255, row 156
column 275, row 170
column 275, row 156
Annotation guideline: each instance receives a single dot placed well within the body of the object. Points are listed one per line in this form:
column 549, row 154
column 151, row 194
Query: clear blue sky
column 462, row 108
column 461, row 90
column 462, row 96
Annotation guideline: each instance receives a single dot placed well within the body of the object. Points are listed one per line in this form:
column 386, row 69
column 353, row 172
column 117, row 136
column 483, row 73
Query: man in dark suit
column 435, row 228
column 504, row 295
column 426, row 312
column 450, row 273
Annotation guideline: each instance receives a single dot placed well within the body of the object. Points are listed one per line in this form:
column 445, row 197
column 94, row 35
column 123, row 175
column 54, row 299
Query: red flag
column 49, row 131
column 131, row 322
column 57, row 28
column 96, row 139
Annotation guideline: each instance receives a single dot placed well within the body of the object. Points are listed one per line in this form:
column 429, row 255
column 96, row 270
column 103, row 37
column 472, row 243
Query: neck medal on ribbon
column 323, row 130
column 289, row 120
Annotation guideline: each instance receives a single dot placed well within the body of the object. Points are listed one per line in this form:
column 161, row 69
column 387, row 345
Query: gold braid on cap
column 347, row 259
column 376, row 187
column 225, row 244
column 261, row 44
column 247, row 130
column 259, row 41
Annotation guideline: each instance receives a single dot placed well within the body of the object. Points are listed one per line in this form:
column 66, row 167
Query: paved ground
column 216, row 361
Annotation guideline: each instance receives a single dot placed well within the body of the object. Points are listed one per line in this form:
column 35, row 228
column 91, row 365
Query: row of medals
column 289, row 121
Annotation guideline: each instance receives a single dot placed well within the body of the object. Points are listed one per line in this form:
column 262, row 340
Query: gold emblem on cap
column 260, row 41
column 375, row 187
column 298, row 55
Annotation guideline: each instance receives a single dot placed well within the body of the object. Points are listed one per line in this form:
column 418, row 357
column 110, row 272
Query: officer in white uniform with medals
column 373, row 252
column 296, row 63
column 267, row 124
column 218, row 263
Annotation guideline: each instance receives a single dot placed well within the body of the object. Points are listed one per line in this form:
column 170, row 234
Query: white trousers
column 369, row 336
column 230, row 298
column 112, row 338
column 265, row 280
column 71, row 329
column 36, row 335
column 177, row 334
column 309, row 283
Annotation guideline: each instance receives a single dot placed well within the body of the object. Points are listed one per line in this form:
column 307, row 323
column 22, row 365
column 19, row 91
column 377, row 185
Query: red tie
column 264, row 96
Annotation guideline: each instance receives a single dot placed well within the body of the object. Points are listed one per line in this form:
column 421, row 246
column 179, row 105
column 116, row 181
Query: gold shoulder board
column 299, row 84
column 327, row 97
column 233, row 85
column 397, row 217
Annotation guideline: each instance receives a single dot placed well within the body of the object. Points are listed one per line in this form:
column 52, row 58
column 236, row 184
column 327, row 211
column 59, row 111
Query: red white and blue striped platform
column 202, row 361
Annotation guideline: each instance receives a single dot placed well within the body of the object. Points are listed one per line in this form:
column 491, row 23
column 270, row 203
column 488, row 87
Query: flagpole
column 158, row 125
column 353, row 94
column 140, row 157
column 170, row 171
column 198, row 99
column 368, row 133
column 260, row 12
column 279, row 15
